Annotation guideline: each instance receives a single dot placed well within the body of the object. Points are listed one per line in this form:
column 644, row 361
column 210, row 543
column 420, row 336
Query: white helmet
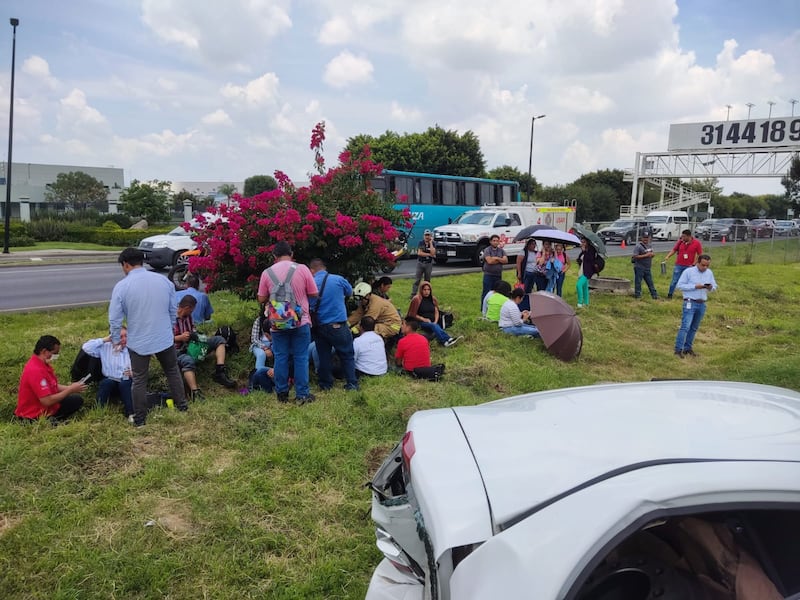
column 362, row 289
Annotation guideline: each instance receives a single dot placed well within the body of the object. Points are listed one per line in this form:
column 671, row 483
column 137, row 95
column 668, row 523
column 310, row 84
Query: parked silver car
column 704, row 227
column 642, row 490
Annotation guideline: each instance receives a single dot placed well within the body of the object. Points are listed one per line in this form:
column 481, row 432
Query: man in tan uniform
column 387, row 319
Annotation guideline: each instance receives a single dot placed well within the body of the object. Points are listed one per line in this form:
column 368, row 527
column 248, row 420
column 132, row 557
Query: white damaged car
column 669, row 490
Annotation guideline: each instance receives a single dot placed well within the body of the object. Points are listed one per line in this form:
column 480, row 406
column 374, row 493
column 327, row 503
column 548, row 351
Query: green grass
column 245, row 498
column 65, row 246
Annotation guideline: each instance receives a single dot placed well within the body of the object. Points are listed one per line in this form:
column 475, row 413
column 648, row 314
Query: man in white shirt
column 116, row 366
column 370, row 350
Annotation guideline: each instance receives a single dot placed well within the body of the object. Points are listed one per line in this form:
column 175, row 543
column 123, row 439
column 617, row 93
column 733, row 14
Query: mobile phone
column 85, row 378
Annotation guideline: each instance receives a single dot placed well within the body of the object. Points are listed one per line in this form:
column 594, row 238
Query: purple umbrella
column 558, row 325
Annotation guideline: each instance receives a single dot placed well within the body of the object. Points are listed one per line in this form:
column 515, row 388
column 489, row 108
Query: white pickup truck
column 468, row 236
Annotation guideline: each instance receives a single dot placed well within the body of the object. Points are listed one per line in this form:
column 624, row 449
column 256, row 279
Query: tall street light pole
column 530, row 156
column 14, row 22
column 749, row 106
column 771, row 104
column 728, row 117
column 792, row 102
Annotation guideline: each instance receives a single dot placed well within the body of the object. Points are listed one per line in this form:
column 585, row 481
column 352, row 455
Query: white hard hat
column 362, row 289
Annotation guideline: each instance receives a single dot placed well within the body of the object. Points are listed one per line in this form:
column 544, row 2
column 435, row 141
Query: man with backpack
column 286, row 287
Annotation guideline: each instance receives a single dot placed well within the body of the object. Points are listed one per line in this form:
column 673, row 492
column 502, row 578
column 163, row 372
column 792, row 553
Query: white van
column 668, row 224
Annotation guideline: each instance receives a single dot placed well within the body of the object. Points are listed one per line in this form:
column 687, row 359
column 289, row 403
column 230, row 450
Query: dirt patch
column 375, row 457
column 223, row 461
column 8, row 522
column 173, row 517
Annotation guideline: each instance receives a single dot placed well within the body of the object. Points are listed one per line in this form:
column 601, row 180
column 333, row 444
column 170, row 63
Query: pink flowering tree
column 338, row 217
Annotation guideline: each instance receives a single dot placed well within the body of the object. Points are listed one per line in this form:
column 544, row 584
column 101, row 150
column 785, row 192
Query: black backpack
column 231, row 341
column 86, row 365
column 599, row 264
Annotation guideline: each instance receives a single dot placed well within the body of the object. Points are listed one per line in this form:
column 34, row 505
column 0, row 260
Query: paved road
column 56, row 283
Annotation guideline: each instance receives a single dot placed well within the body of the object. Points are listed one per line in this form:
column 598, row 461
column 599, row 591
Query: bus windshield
column 476, row 218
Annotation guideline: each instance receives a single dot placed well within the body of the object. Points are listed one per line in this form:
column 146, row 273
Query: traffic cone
column 723, row 239
column 622, row 245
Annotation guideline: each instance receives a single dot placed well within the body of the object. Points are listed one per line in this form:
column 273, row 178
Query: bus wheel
column 477, row 259
column 440, row 261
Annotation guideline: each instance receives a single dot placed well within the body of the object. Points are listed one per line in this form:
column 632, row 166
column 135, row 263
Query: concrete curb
column 51, row 257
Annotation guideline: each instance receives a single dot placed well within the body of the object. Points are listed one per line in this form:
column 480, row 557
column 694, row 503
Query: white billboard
column 740, row 135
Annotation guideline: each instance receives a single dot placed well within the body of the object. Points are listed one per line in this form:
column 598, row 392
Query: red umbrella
column 558, row 325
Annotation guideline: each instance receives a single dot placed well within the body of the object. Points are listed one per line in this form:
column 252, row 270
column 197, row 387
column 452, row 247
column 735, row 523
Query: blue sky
column 188, row 90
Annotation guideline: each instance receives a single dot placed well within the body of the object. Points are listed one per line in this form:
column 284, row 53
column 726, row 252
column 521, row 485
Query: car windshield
column 622, row 223
column 759, row 222
column 708, row 222
column 657, row 219
column 476, row 218
column 785, row 223
column 179, row 230
column 724, row 222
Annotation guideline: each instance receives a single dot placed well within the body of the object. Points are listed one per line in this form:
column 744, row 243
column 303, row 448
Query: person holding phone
column 116, row 365
column 39, row 393
column 695, row 283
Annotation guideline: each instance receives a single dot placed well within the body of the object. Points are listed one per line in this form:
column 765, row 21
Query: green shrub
column 20, row 241
column 48, row 230
column 124, row 221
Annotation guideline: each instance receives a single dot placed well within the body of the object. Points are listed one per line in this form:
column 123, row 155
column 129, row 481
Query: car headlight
column 469, row 237
column 160, row 245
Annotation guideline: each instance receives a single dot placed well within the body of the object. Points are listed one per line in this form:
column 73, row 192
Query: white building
column 29, row 183
column 205, row 189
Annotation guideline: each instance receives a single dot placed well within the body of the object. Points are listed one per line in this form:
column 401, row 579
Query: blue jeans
column 335, row 337
column 441, row 335
column 693, row 313
column 560, row 283
column 646, row 274
column 123, row 388
column 676, row 275
column 261, row 356
column 488, row 283
column 261, row 380
column 292, row 344
column 522, row 330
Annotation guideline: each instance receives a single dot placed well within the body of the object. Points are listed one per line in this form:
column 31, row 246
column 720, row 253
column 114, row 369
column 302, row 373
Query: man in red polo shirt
column 39, row 390
column 413, row 349
column 688, row 249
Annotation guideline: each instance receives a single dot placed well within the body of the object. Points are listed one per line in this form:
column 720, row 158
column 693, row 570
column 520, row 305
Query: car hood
column 533, row 448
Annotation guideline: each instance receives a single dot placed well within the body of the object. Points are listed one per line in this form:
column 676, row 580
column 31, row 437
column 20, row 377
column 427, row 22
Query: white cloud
column 218, row 117
column 335, row 31
column 255, row 93
column 400, row 113
column 76, row 115
column 39, row 69
column 347, row 69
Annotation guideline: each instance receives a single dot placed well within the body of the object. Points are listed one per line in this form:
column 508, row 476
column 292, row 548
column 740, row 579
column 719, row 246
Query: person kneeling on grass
column 39, row 393
column 413, row 350
column 512, row 321
column 183, row 332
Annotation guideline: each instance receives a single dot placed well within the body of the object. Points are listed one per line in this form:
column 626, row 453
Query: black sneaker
column 678, row 353
column 300, row 400
column 221, row 377
column 690, row 352
column 197, row 396
column 283, row 397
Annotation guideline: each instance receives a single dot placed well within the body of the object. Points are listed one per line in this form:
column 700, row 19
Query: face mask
column 53, row 357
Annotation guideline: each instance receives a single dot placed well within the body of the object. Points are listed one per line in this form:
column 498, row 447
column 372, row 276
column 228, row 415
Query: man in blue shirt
column 203, row 310
column 695, row 283
column 331, row 332
column 146, row 301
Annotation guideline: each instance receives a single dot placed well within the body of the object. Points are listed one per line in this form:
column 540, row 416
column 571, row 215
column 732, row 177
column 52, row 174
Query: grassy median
column 243, row 497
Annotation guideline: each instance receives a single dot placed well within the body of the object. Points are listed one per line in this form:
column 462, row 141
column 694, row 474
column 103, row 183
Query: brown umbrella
column 558, row 325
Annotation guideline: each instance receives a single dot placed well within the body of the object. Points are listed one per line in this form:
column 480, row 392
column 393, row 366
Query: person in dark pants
column 332, row 332
column 426, row 252
column 39, row 392
column 494, row 257
column 642, row 260
column 146, row 301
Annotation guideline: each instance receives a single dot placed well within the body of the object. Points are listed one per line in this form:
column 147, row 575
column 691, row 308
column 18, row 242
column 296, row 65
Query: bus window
column 426, row 189
column 487, row 193
column 506, row 192
column 449, row 193
column 470, row 194
column 404, row 186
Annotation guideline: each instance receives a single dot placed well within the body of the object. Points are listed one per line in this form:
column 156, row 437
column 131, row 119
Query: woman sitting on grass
column 512, row 321
column 424, row 309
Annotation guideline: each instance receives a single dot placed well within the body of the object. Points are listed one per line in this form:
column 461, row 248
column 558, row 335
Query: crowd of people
column 148, row 318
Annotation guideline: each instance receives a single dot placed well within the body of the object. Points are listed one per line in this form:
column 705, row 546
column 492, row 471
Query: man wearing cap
column 426, row 252
column 387, row 319
column 290, row 344
column 642, row 260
